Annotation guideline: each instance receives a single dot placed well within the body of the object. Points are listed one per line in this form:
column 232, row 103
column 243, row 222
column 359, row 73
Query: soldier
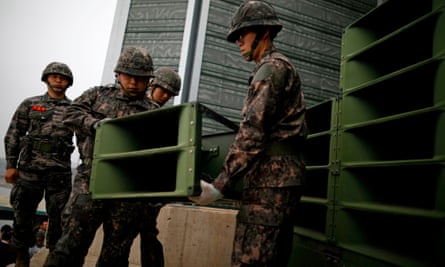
column 165, row 84
column 38, row 159
column 266, row 150
column 83, row 215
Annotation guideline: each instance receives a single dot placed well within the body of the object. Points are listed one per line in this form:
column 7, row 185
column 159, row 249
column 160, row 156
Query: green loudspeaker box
column 158, row 153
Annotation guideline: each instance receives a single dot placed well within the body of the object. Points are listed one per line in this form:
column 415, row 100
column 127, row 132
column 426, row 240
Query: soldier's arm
column 80, row 115
column 15, row 134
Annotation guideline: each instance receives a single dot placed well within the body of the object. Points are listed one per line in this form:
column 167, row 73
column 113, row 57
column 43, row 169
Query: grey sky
column 35, row 33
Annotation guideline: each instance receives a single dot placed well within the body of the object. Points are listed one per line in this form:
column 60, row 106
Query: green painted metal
column 322, row 171
column 158, row 153
column 386, row 205
column 375, row 156
column 150, row 154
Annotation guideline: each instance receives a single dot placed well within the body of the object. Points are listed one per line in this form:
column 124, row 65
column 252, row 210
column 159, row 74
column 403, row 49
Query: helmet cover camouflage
column 135, row 61
column 253, row 13
column 168, row 79
column 57, row 68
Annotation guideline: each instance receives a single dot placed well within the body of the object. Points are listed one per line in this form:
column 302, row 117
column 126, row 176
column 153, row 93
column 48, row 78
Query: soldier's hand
column 11, row 175
column 208, row 195
column 98, row 123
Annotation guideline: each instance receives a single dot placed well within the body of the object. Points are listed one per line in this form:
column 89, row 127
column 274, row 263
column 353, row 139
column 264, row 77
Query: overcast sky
column 35, row 33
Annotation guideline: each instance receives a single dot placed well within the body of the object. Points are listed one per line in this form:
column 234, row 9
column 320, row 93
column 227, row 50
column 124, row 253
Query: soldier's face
column 245, row 40
column 58, row 82
column 160, row 95
column 134, row 85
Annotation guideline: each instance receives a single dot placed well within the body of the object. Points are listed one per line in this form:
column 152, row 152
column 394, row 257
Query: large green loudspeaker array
column 376, row 166
column 158, row 153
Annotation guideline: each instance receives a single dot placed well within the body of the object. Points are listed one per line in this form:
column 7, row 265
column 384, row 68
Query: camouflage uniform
column 266, row 155
column 83, row 215
column 152, row 254
column 39, row 146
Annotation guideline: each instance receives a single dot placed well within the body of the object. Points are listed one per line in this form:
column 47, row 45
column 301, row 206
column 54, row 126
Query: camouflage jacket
column 95, row 104
column 36, row 138
column 274, row 112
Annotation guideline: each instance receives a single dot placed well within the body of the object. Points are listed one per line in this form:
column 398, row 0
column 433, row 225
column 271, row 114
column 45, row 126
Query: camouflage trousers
column 82, row 217
column 25, row 197
column 264, row 229
column 152, row 254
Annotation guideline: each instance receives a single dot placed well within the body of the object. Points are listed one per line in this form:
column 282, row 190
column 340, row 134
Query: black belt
column 286, row 147
column 48, row 147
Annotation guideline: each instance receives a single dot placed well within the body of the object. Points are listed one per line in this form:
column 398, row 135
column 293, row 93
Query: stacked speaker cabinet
column 157, row 153
column 313, row 230
column 390, row 192
column 377, row 198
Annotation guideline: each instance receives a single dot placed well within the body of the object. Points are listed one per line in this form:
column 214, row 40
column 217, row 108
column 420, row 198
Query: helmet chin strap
column 129, row 93
column 52, row 87
column 248, row 56
column 132, row 94
column 153, row 99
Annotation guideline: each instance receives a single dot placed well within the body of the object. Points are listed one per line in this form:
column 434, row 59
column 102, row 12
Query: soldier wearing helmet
column 165, row 84
column 83, row 215
column 136, row 64
column 57, row 68
column 256, row 17
column 38, row 150
column 266, row 152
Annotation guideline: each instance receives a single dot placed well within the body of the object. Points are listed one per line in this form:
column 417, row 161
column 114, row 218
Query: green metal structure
column 375, row 155
column 158, row 153
column 376, row 165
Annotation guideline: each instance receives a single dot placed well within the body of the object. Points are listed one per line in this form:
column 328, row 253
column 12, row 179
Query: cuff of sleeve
column 93, row 125
column 220, row 182
column 9, row 165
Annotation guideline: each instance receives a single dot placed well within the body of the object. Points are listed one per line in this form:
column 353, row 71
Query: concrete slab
column 191, row 235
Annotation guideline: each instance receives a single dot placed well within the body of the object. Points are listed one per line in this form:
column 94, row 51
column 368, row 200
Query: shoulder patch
column 263, row 72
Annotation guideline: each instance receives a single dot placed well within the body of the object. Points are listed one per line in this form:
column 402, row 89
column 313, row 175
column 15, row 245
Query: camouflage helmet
column 135, row 61
column 253, row 13
column 168, row 79
column 57, row 68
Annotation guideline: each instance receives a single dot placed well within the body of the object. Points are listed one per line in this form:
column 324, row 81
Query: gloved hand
column 209, row 194
column 98, row 123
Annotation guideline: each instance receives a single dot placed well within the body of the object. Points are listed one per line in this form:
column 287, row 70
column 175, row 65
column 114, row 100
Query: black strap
column 217, row 117
column 286, row 147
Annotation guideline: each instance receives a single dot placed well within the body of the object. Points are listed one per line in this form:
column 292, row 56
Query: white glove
column 209, row 194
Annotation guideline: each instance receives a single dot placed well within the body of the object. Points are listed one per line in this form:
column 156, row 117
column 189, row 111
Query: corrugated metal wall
column 159, row 26
column 311, row 38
